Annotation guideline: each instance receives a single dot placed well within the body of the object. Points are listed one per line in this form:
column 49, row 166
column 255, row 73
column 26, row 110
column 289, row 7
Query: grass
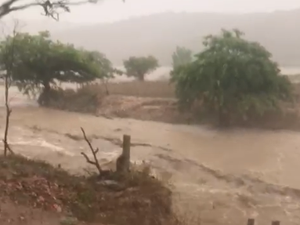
column 141, row 200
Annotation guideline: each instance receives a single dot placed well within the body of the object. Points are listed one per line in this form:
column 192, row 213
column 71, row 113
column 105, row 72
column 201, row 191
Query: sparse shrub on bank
column 88, row 98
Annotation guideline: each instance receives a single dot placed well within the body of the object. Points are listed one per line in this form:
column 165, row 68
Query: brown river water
column 218, row 177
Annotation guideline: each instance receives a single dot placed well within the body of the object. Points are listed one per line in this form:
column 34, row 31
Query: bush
column 84, row 99
column 232, row 77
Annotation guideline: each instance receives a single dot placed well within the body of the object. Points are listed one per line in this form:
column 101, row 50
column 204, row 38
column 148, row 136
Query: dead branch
column 94, row 152
column 50, row 8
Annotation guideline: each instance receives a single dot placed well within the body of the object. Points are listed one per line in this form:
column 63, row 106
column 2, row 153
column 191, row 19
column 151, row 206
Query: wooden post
column 251, row 222
column 126, row 146
column 276, row 223
column 123, row 161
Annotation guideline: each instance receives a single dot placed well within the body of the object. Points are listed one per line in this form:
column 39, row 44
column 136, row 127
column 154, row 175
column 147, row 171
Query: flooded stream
column 218, row 177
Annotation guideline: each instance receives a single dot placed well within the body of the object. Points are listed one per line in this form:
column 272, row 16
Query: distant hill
column 159, row 34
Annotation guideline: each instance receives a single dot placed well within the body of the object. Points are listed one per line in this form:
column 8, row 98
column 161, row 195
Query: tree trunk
column 141, row 77
column 8, row 113
column 123, row 161
column 45, row 95
column 224, row 118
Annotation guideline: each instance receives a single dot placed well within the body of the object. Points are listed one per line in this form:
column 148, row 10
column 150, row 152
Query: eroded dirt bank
column 220, row 177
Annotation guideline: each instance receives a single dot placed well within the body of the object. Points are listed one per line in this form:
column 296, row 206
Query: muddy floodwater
column 218, row 177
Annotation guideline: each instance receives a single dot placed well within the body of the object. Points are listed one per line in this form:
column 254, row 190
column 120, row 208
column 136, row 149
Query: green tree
column 40, row 62
column 232, row 76
column 106, row 69
column 138, row 67
column 182, row 56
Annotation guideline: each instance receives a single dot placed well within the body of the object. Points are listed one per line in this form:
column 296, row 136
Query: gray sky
column 112, row 10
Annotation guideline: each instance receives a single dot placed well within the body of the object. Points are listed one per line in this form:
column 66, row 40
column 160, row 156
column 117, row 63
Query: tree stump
column 123, row 161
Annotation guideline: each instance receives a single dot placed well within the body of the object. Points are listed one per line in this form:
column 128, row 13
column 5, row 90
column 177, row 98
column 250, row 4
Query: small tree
column 10, row 60
column 138, row 67
column 182, row 56
column 41, row 62
column 232, row 75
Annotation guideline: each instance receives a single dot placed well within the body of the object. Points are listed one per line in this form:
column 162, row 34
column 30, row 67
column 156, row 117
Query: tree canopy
column 138, row 67
column 182, row 56
column 232, row 76
column 35, row 61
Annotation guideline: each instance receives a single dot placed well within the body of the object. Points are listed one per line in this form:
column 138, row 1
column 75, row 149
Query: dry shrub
column 84, row 99
column 155, row 89
column 144, row 200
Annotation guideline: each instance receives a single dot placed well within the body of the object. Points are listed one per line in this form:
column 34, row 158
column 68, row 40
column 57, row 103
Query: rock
column 68, row 221
column 111, row 184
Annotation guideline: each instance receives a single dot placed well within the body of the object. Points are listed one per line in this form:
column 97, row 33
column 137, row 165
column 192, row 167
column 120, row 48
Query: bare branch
column 50, row 8
column 87, row 159
column 94, row 152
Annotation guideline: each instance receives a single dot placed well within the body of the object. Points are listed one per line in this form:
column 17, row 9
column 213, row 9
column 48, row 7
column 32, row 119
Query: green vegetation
column 232, row 77
column 39, row 62
column 138, row 67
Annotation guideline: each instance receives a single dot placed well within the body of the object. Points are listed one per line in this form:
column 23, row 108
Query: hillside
column 159, row 34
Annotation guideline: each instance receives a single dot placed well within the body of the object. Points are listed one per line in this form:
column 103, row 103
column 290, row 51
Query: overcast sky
column 112, row 10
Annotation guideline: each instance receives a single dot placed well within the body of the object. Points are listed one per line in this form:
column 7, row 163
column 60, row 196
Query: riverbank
column 156, row 101
column 62, row 198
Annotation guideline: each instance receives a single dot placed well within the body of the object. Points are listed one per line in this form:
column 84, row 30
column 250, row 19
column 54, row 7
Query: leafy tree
column 106, row 68
column 107, row 71
column 138, row 67
column 182, row 56
column 232, row 75
column 40, row 62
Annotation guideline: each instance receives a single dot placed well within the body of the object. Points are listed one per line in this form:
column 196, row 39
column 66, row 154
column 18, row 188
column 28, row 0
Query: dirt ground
column 34, row 192
column 13, row 214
